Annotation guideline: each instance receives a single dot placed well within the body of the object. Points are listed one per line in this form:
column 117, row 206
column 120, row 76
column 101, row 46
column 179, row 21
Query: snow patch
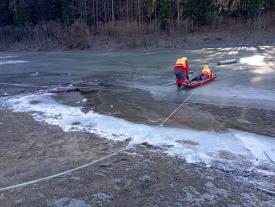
column 9, row 62
column 34, row 74
column 173, row 141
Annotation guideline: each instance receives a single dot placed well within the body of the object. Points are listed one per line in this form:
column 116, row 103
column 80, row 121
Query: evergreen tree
column 51, row 10
column 6, row 13
column 66, row 11
column 35, row 11
column 201, row 11
column 165, row 13
column 21, row 13
column 250, row 8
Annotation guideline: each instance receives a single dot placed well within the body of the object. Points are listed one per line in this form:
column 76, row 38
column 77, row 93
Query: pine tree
column 201, row 11
column 66, row 11
column 6, row 13
column 51, row 10
column 251, row 8
column 21, row 14
column 165, row 13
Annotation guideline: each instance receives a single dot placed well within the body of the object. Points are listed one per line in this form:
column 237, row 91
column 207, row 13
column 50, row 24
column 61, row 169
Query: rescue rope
column 63, row 173
column 161, row 124
column 165, row 120
column 88, row 164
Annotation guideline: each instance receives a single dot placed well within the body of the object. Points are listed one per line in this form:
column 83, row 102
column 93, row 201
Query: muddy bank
column 32, row 149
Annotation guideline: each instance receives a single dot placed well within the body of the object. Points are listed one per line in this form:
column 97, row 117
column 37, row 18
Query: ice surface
column 236, row 95
column 257, row 144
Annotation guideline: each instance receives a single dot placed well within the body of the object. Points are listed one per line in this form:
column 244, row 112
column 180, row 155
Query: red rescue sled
column 195, row 84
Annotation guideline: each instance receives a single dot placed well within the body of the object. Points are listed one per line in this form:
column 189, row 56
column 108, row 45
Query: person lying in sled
column 181, row 69
column 205, row 73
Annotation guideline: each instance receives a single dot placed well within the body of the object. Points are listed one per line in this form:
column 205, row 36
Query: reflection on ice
column 255, row 60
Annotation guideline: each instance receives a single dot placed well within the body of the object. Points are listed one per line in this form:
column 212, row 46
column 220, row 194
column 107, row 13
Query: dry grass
column 130, row 34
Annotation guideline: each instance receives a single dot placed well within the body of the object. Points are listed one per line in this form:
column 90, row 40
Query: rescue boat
column 195, row 84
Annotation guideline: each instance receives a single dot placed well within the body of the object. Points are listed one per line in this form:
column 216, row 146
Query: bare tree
column 113, row 12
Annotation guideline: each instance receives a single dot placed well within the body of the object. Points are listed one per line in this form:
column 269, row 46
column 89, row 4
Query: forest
column 75, row 22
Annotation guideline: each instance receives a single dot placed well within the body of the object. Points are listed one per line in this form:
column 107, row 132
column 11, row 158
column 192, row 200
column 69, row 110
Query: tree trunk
column 178, row 8
column 138, row 8
column 127, row 11
column 156, row 14
column 113, row 12
column 96, row 13
column 85, row 8
column 105, row 12
column 15, row 9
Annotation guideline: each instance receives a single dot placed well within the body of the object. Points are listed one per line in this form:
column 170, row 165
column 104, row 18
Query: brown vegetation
column 125, row 34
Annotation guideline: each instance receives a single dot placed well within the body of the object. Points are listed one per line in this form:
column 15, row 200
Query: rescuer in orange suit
column 205, row 73
column 181, row 69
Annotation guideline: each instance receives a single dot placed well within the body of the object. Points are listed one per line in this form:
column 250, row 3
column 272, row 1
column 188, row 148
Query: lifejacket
column 182, row 62
column 206, row 70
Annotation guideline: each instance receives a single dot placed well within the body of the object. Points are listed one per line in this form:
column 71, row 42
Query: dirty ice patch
column 194, row 146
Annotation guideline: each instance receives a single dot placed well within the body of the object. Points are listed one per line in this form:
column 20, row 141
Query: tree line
column 165, row 13
column 134, row 23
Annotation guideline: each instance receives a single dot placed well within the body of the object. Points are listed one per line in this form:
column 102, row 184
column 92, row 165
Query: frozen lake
column 126, row 95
